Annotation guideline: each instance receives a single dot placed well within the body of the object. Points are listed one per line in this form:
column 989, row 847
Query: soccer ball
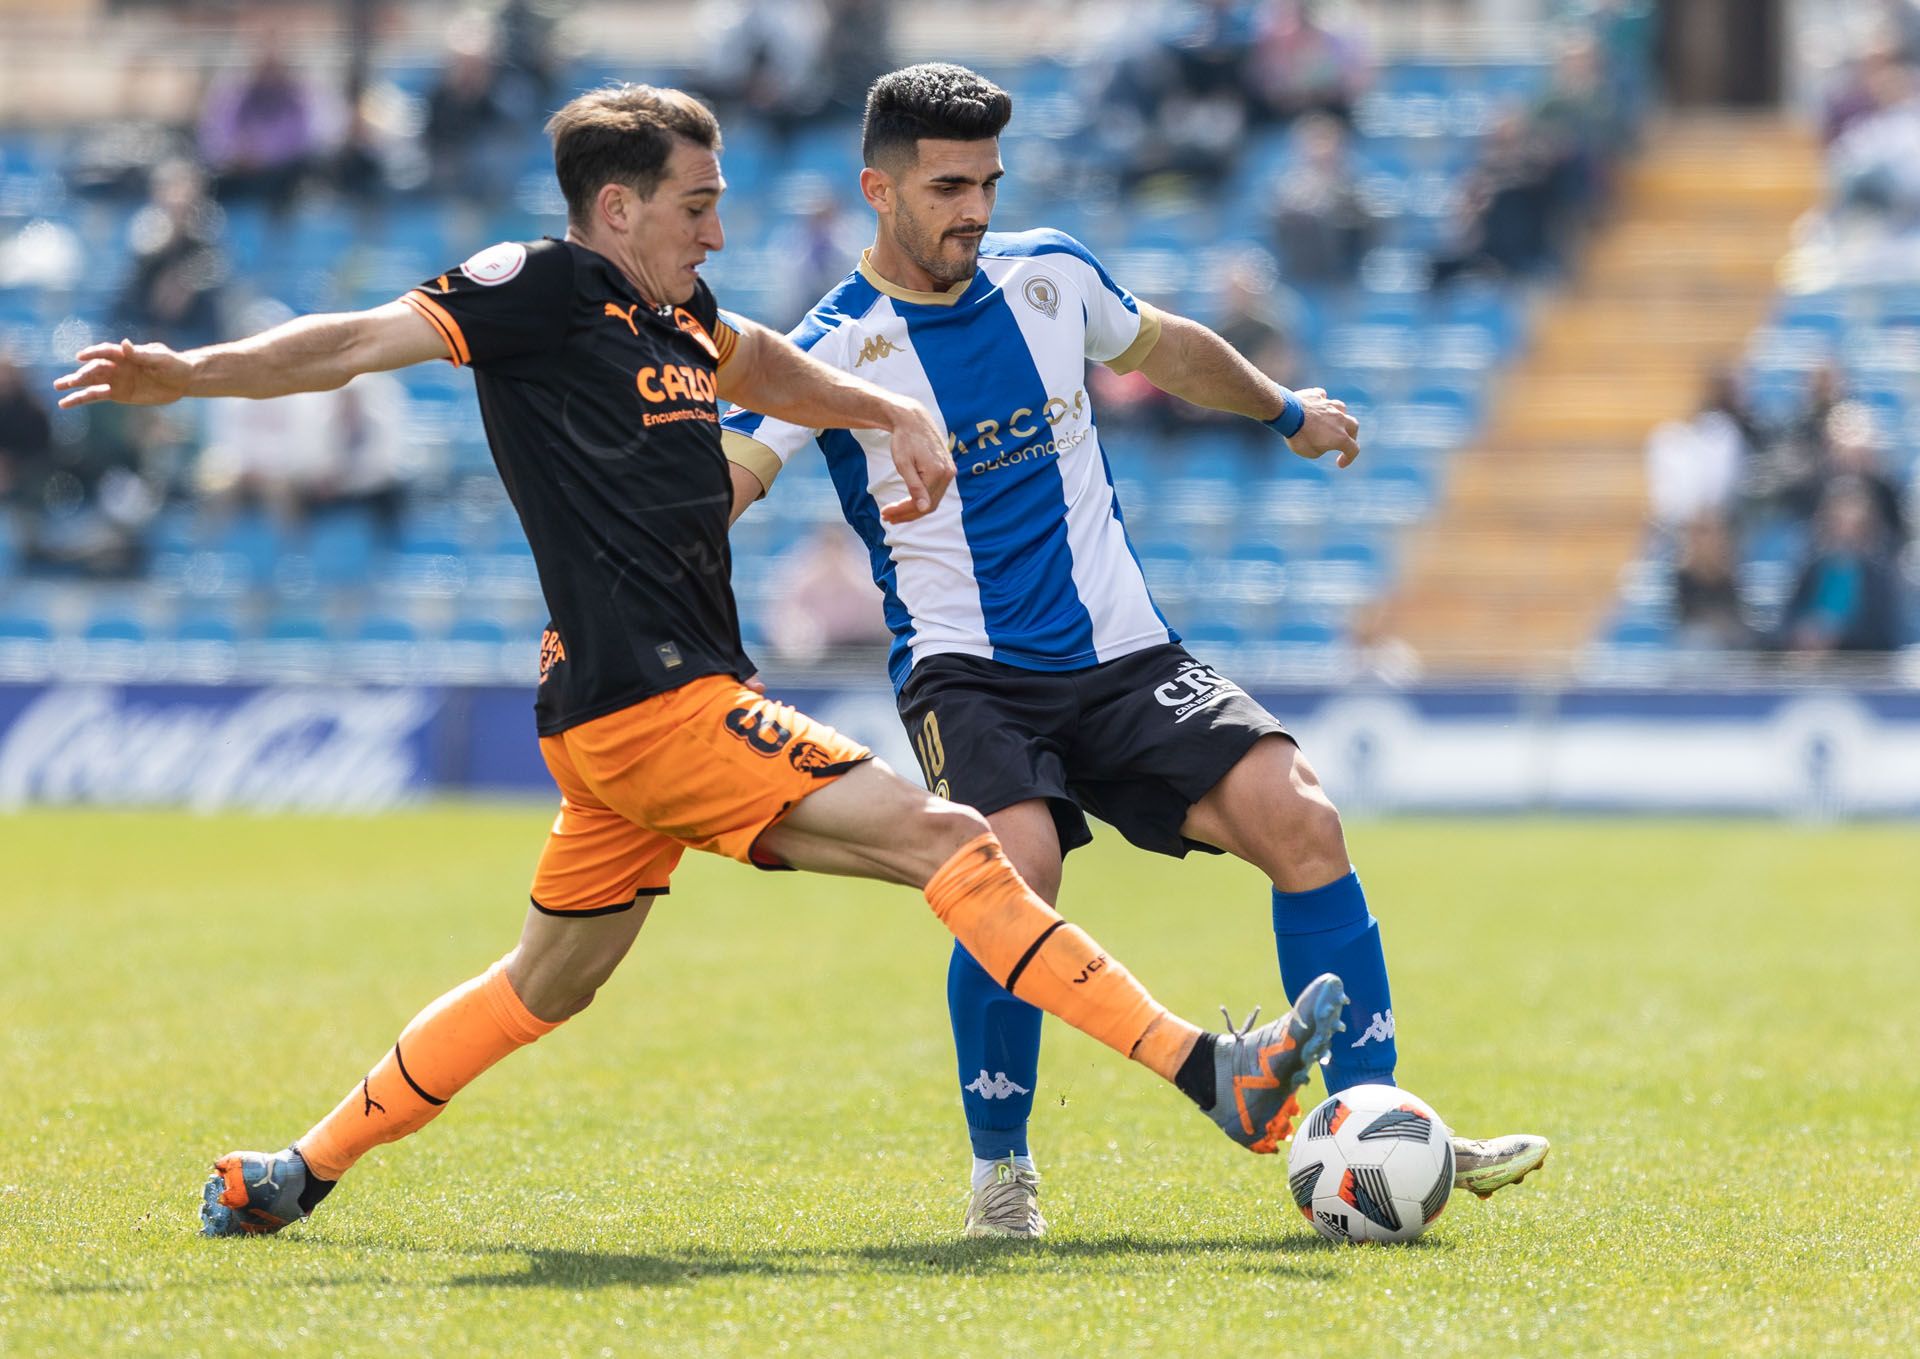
column 1373, row 1163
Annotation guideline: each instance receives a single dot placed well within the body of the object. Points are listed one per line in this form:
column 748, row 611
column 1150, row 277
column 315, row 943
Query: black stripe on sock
column 1027, row 957
column 401, row 1062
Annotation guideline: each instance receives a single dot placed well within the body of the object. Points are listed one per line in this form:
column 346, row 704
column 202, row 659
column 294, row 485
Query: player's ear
column 876, row 186
column 614, row 204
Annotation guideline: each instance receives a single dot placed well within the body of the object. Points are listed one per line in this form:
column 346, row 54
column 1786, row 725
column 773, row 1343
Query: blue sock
column 1330, row 930
column 997, row 1039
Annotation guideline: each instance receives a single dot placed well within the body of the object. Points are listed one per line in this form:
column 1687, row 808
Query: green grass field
column 751, row 1144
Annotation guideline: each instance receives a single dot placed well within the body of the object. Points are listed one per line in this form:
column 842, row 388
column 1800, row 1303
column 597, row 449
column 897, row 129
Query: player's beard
column 946, row 258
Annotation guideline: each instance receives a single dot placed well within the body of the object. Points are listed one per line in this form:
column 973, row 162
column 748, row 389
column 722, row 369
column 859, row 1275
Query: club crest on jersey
column 496, row 264
column 690, row 323
column 1043, row 295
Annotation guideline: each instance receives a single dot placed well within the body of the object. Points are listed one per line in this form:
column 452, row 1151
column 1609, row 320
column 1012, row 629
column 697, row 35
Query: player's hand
column 755, row 683
column 923, row 459
column 1329, row 429
column 133, row 374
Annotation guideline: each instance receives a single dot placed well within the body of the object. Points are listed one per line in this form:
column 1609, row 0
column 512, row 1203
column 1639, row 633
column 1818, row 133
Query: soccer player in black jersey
column 599, row 360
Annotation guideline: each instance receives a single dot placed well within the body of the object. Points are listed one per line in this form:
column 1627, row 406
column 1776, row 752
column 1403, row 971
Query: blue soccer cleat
column 253, row 1193
column 1258, row 1072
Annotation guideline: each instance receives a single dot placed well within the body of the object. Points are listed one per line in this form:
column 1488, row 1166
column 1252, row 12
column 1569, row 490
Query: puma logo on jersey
column 1379, row 1031
column 877, row 348
column 626, row 315
column 996, row 1086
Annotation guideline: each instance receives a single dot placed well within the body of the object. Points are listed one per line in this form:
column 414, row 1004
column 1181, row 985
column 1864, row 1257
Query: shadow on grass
column 1301, row 1257
column 1294, row 1255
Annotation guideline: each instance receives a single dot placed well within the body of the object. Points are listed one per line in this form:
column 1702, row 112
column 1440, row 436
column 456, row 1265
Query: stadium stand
column 110, row 538
column 1804, row 546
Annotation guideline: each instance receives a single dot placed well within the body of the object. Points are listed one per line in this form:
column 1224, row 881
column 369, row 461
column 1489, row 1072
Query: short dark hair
column 623, row 134
column 934, row 99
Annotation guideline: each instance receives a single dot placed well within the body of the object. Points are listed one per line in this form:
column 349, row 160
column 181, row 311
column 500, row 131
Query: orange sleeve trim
column 726, row 339
column 438, row 317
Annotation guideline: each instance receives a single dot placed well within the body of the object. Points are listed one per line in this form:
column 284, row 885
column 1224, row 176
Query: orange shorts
column 709, row 765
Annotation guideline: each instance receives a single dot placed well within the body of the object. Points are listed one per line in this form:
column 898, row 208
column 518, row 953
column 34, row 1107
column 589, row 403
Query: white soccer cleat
column 1482, row 1165
column 1008, row 1204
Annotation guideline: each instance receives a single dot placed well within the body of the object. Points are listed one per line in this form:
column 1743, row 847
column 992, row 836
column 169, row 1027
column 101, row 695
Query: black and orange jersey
column 601, row 412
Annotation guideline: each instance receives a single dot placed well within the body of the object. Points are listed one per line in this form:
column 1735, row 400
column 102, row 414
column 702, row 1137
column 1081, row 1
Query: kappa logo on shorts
column 762, row 735
column 1197, row 686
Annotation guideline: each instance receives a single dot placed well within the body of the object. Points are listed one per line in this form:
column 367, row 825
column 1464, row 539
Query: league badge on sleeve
column 496, row 264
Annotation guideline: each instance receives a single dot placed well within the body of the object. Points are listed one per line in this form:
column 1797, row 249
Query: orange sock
column 1024, row 944
column 450, row 1042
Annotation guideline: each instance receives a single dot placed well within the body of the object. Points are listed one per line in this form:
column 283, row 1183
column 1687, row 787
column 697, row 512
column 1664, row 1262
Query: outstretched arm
column 1191, row 362
column 308, row 354
column 769, row 374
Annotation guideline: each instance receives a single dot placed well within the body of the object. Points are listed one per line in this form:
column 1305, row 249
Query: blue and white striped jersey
column 1026, row 560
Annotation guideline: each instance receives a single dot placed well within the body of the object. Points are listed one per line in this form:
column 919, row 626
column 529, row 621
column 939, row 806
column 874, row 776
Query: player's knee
column 1311, row 821
column 945, row 827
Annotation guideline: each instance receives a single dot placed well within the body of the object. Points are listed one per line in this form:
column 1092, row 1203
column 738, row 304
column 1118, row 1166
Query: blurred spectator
column 1579, row 130
column 1297, row 66
column 1855, row 99
column 815, row 251
column 1506, row 207
column 1853, row 460
column 528, row 40
column 263, row 129
column 474, row 124
column 179, row 269
column 861, row 51
column 1847, row 594
column 1875, row 163
column 1786, row 473
column 26, row 433
column 827, row 600
column 1693, row 466
column 764, row 58
column 1706, row 600
column 313, row 451
column 1319, row 224
column 359, row 168
column 1256, row 315
column 88, row 499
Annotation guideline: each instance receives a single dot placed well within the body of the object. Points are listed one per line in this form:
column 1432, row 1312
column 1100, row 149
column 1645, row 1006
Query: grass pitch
column 751, row 1142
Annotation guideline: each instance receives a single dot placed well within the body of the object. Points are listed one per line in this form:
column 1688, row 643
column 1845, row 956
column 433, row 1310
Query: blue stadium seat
column 25, row 627
column 385, row 628
column 477, row 629
column 341, row 543
column 114, row 627
column 222, row 628
column 253, row 541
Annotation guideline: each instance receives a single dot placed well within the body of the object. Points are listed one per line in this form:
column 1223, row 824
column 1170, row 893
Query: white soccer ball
column 1372, row 1163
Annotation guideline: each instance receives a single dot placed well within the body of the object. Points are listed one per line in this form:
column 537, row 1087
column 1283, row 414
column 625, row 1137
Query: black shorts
column 1135, row 741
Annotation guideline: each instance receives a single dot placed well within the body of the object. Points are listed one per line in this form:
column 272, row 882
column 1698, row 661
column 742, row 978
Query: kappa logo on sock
column 996, row 1086
column 372, row 1103
column 1380, row 1030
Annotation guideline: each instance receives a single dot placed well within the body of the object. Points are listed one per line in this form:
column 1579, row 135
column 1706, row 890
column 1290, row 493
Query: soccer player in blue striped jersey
column 1035, row 675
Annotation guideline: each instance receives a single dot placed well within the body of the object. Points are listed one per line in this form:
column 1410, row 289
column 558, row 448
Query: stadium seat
column 341, row 544
column 252, row 541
